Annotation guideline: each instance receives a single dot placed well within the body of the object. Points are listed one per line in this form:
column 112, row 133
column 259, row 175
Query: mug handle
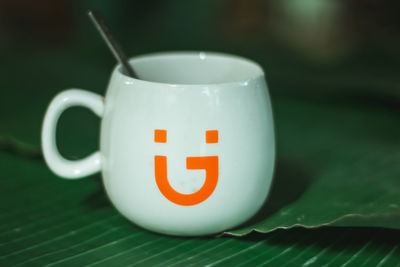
column 58, row 164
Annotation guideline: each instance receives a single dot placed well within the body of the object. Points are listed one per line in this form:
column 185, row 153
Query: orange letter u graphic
column 207, row 163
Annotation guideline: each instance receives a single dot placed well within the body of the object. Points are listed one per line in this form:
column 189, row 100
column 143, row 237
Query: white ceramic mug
column 188, row 149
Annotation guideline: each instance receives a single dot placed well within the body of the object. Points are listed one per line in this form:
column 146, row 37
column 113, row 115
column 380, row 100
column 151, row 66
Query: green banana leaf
column 342, row 157
column 47, row 221
column 337, row 166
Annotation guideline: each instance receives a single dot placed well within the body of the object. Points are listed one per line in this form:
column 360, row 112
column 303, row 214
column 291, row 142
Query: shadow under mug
column 188, row 149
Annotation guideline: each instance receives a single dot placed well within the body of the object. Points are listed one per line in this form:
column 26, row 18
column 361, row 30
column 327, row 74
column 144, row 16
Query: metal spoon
column 115, row 48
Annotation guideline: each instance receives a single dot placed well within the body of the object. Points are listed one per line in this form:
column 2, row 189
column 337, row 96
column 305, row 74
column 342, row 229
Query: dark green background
column 336, row 108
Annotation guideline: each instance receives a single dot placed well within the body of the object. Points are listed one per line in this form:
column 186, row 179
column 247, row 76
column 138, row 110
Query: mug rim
column 258, row 73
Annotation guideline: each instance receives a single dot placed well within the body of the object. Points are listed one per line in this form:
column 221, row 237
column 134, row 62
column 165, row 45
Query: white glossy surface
column 231, row 97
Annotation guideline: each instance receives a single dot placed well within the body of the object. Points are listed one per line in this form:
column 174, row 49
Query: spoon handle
column 105, row 32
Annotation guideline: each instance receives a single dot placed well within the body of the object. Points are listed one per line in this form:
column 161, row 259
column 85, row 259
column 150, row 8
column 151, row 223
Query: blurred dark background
column 332, row 67
column 325, row 51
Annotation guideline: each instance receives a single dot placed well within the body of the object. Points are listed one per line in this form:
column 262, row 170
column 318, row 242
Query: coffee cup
column 188, row 149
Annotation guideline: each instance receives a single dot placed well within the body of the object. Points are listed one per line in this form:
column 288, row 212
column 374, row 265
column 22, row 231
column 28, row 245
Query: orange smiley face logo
column 207, row 163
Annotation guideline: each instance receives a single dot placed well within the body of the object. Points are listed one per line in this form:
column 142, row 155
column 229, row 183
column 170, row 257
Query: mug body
column 189, row 149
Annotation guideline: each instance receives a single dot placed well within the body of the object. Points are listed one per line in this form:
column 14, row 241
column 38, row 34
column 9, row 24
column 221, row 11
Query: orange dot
column 211, row 136
column 160, row 136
